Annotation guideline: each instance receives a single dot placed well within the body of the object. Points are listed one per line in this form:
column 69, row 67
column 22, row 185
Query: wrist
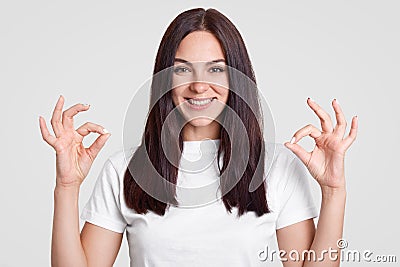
column 333, row 192
column 71, row 187
column 66, row 194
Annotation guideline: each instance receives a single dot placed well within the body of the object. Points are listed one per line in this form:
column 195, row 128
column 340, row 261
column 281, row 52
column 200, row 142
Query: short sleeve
column 103, row 207
column 296, row 201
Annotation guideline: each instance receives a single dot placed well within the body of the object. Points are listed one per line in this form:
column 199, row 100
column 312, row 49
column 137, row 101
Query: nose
column 199, row 87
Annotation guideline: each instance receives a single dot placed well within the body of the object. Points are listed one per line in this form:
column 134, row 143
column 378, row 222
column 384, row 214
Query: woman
column 146, row 198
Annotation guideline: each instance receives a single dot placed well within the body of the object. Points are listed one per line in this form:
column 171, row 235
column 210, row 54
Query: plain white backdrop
column 100, row 52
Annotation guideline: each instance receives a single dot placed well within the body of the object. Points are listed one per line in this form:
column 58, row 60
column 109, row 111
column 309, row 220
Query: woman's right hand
column 73, row 160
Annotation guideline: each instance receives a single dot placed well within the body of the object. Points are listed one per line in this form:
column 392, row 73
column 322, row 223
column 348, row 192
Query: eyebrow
column 208, row 63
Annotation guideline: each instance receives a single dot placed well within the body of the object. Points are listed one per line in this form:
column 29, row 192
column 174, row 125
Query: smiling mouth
column 200, row 101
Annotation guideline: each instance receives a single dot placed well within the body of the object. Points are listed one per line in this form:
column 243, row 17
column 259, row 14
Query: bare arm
column 308, row 242
column 329, row 230
column 66, row 246
column 296, row 237
column 95, row 246
column 101, row 246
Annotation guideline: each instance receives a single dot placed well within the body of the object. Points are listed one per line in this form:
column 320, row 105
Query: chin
column 201, row 122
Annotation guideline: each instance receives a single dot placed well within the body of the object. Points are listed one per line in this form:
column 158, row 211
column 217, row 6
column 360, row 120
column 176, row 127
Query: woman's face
column 200, row 79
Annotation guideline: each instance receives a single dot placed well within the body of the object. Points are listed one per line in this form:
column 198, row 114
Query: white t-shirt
column 206, row 235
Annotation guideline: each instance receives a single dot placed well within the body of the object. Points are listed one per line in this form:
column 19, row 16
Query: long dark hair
column 161, row 105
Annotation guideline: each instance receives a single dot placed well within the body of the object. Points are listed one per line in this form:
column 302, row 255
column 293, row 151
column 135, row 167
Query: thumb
column 98, row 144
column 300, row 152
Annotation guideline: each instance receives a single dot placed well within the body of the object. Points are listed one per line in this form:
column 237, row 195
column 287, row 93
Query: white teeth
column 200, row 102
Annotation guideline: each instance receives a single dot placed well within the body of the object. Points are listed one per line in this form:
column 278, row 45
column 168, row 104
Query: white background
column 100, row 52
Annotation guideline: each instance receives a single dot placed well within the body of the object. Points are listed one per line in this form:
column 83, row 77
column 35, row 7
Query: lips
column 199, row 103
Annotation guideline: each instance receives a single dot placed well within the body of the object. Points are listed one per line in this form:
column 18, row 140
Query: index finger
column 67, row 117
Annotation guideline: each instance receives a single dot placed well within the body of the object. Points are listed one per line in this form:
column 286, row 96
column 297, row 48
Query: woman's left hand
column 326, row 162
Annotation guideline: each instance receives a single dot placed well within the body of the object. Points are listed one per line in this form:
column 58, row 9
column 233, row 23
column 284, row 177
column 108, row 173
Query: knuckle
column 65, row 114
column 60, row 147
column 86, row 125
column 94, row 127
column 327, row 117
column 91, row 155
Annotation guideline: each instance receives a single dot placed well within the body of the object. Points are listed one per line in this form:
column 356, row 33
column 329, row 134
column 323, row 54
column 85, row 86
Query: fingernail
column 86, row 105
column 312, row 100
column 336, row 101
column 293, row 139
column 105, row 131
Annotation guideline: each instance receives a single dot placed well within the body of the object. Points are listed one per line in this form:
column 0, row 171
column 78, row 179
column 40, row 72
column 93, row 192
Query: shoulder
column 278, row 161
column 280, row 164
column 120, row 158
column 116, row 165
column 278, row 157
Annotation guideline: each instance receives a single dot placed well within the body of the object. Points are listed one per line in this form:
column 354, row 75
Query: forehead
column 200, row 46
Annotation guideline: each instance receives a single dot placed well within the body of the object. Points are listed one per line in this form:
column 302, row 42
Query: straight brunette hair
column 161, row 106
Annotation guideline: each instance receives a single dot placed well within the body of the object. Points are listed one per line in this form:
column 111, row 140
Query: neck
column 197, row 133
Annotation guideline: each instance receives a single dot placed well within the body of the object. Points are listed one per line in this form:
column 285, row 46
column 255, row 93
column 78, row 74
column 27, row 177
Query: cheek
column 224, row 93
column 176, row 95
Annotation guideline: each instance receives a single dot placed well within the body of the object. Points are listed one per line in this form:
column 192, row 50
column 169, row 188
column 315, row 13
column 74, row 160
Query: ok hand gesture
column 326, row 162
column 73, row 160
